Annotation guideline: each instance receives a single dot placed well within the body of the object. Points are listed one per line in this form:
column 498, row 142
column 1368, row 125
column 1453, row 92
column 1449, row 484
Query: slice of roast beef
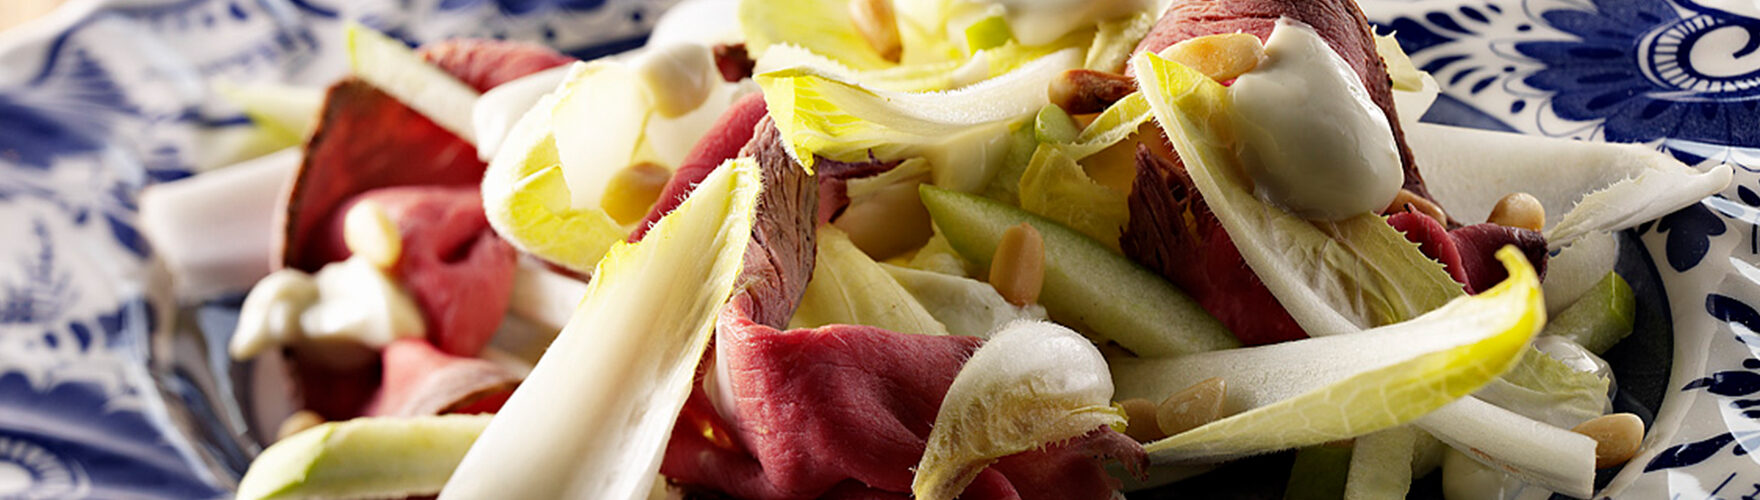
column 840, row 411
column 1339, row 22
column 365, row 140
column 1172, row 232
column 421, row 380
column 457, row 269
column 485, row 64
column 731, row 132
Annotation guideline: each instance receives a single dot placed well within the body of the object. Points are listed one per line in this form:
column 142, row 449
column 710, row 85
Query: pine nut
column 1423, row 205
column 888, row 223
column 632, row 191
column 875, row 21
column 1193, row 407
column 1617, row 437
column 1140, row 421
column 1017, row 271
column 1220, row 57
column 1082, row 91
column 368, row 231
column 1519, row 210
column 298, row 421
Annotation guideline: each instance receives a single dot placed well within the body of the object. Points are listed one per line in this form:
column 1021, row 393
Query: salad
column 926, row 248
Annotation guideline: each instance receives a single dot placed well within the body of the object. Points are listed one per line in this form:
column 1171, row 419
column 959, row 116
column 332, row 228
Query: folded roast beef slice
column 365, row 140
column 726, row 140
column 840, row 411
column 421, row 380
column 485, row 64
column 722, row 142
column 457, row 269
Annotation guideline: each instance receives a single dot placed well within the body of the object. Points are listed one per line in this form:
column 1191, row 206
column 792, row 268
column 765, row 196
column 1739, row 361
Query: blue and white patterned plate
column 101, row 396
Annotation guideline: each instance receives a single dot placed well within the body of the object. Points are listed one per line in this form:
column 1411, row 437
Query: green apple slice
column 1086, row 283
column 363, row 458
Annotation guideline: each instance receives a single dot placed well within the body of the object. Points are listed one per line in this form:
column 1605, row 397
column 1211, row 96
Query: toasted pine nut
column 1082, row 91
column 298, row 421
column 1017, row 271
column 633, row 190
column 1423, row 205
column 1220, row 57
column 875, row 21
column 368, row 231
column 1140, row 424
column 888, row 223
column 1617, row 437
column 1519, row 210
column 1193, row 407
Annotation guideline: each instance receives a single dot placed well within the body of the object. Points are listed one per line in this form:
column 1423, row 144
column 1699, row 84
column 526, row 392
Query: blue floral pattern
column 1636, row 67
column 116, row 100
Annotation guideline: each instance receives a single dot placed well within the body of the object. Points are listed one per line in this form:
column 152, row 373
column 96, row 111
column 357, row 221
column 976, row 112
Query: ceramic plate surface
column 103, row 395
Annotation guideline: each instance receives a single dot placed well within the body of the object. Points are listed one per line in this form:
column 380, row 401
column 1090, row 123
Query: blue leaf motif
column 1728, row 383
column 1689, row 454
column 1632, row 66
column 1689, row 235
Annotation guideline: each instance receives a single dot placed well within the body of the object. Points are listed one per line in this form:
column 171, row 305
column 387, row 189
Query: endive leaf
column 1334, row 277
column 821, row 26
column 1032, row 384
column 967, row 306
column 528, row 202
column 593, row 418
column 1055, row 186
column 963, row 133
column 1113, row 126
column 1324, row 389
column 1586, row 187
column 849, row 288
column 363, row 458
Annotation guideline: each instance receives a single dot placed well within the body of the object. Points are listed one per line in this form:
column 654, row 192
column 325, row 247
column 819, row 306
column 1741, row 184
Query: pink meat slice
column 366, row 139
column 453, row 264
column 421, row 380
column 722, row 142
column 840, row 411
column 485, row 64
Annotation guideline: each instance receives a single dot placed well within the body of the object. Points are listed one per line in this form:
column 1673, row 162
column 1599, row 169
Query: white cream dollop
column 1309, row 136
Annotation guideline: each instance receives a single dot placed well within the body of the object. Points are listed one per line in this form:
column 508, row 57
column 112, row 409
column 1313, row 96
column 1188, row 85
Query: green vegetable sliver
column 363, row 458
column 1318, row 390
column 1086, row 283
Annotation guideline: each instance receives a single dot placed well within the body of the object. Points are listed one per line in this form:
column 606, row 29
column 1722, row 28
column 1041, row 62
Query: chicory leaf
column 1032, row 384
column 594, row 416
column 1323, row 389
